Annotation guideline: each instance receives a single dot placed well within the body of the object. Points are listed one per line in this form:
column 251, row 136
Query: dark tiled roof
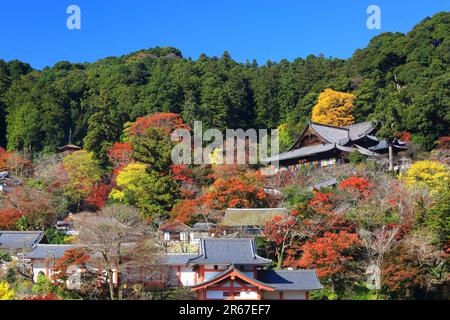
column 20, row 239
column 285, row 280
column 331, row 133
column 251, row 216
column 302, row 152
column 359, row 130
column 241, row 251
column 177, row 259
column 43, row 251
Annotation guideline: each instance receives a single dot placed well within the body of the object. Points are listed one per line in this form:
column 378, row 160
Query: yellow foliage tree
column 334, row 108
column 431, row 174
column 5, row 292
column 82, row 171
column 130, row 180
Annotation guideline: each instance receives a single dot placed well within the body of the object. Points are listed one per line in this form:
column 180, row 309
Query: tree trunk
column 391, row 156
column 111, row 285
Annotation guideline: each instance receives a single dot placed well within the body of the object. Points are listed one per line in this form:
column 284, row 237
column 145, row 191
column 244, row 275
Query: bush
column 356, row 157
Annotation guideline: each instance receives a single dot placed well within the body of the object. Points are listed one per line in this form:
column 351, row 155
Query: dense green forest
column 403, row 79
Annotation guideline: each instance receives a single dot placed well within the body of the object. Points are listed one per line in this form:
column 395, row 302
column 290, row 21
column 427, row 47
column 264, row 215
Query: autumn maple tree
column 330, row 254
column 9, row 218
column 76, row 257
column 280, row 232
column 242, row 191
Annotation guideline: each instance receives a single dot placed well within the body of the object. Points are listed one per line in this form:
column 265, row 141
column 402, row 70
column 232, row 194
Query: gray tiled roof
column 359, row 130
column 20, row 239
column 240, row 251
column 177, row 259
column 331, row 133
column 285, row 280
column 43, row 251
column 383, row 145
column 302, row 152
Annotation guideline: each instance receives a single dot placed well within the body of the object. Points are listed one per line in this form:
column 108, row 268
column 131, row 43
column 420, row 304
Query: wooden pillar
column 179, row 276
column 281, row 295
column 201, row 271
column 232, row 290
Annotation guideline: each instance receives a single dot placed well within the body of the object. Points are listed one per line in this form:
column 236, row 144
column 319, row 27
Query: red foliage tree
column 322, row 202
column 9, row 218
column 186, row 210
column 165, row 121
column 183, row 175
column 357, row 185
column 404, row 135
column 99, row 195
column 120, row 155
column 243, row 191
column 32, row 203
column 329, row 254
column 77, row 257
column 12, row 161
column 281, row 233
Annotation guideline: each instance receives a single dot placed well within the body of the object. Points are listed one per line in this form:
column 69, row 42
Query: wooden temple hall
column 322, row 145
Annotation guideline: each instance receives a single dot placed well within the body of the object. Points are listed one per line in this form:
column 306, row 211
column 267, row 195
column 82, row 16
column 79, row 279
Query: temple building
column 222, row 269
column 69, row 147
column 320, row 145
column 230, row 269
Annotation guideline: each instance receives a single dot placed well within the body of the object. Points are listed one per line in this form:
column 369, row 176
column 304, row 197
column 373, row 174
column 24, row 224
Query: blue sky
column 35, row 31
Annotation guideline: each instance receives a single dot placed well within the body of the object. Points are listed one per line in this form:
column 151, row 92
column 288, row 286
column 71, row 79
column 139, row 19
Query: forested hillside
column 402, row 79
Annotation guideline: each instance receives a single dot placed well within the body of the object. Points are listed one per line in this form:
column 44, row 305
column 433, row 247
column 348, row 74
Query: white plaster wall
column 294, row 295
column 187, row 276
column 247, row 295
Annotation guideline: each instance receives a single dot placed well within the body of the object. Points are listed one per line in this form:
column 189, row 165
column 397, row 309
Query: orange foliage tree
column 330, row 254
column 358, row 186
column 162, row 120
column 9, row 218
column 12, row 161
column 242, row 191
column 77, row 257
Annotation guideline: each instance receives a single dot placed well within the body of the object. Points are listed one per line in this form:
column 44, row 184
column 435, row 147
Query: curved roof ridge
column 232, row 269
column 330, row 126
